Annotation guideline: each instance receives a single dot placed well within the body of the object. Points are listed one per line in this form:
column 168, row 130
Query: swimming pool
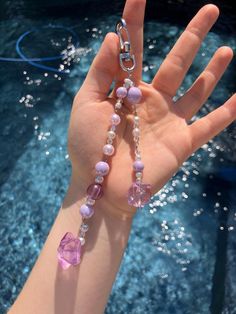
column 181, row 253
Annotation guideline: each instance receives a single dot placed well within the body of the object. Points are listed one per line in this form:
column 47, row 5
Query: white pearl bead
column 82, row 240
column 136, row 119
column 108, row 149
column 115, row 119
column 136, row 132
column 111, row 134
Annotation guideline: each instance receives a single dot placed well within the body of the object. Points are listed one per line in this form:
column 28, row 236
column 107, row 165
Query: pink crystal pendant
column 69, row 251
column 139, row 194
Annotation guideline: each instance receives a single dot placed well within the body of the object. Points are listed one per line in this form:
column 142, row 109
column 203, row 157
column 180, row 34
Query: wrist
column 107, row 224
column 76, row 196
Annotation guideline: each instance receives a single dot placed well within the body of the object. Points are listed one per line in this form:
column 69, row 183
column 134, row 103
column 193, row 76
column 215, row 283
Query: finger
column 102, row 70
column 202, row 88
column 134, row 17
column 172, row 71
column 207, row 127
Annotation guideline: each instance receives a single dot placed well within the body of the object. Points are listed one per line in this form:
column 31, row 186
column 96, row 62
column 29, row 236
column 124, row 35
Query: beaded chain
column 70, row 247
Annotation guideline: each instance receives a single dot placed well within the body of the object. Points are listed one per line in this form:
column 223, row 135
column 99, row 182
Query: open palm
column 167, row 137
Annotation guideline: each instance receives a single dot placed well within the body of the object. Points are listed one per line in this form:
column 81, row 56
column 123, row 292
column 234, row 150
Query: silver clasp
column 125, row 54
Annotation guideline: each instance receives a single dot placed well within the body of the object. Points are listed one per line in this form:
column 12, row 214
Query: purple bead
column 102, row 168
column 115, row 119
column 121, row 92
column 95, row 191
column 138, row 165
column 139, row 194
column 134, row 95
column 86, row 211
column 69, row 251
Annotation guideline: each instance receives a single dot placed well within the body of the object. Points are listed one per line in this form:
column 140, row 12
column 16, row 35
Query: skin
column 165, row 129
column 168, row 138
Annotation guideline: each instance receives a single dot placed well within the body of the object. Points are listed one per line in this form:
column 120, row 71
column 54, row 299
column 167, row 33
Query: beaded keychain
column 69, row 250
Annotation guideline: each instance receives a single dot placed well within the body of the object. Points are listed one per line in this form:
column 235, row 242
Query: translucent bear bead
column 69, row 251
column 139, row 194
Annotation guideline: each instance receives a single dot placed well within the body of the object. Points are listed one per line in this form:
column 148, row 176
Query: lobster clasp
column 125, row 55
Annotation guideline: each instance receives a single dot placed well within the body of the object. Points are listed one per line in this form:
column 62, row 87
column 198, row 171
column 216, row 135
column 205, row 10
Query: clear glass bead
column 99, row 179
column 128, row 83
column 109, row 141
column 90, row 201
column 139, row 175
column 118, row 105
column 84, row 227
column 82, row 234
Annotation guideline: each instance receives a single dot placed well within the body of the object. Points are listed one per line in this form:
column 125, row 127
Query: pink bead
column 134, row 95
column 121, row 92
column 139, row 194
column 115, row 119
column 108, row 149
column 69, row 251
column 95, row 191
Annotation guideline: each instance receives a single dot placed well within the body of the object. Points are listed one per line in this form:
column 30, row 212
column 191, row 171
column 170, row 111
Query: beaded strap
column 70, row 247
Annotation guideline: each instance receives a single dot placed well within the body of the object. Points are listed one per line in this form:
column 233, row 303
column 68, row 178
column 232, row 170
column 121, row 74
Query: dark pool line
column 220, row 269
column 33, row 61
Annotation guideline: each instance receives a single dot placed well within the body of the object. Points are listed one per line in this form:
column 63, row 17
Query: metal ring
column 125, row 46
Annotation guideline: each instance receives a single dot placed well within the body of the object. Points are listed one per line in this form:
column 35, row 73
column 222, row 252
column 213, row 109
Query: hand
column 167, row 138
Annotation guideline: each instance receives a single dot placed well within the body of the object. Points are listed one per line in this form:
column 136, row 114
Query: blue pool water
column 181, row 255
